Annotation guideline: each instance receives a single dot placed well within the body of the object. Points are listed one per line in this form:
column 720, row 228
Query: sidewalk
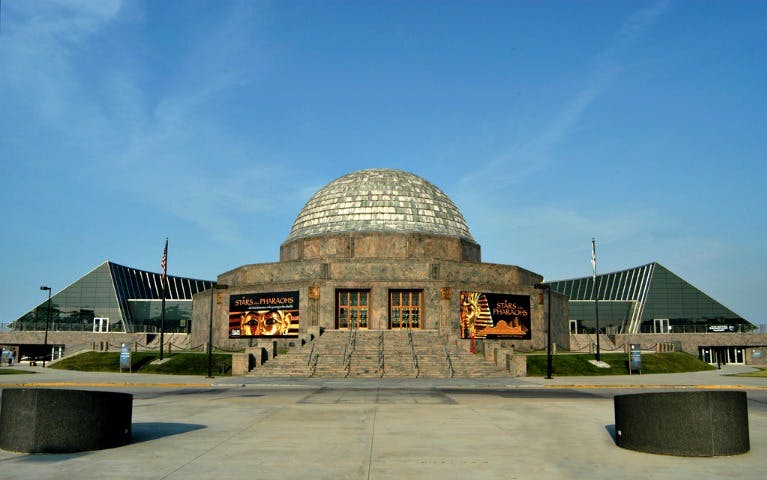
column 706, row 379
column 286, row 428
column 723, row 378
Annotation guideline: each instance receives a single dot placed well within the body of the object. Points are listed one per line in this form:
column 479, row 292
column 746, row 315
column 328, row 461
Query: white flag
column 594, row 257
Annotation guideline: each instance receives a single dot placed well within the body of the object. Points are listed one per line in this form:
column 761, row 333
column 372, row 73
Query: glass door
column 735, row 355
column 722, row 355
column 708, row 355
column 573, row 327
column 661, row 325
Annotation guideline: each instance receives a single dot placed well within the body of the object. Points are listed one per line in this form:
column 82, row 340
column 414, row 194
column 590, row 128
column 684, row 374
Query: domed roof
column 380, row 200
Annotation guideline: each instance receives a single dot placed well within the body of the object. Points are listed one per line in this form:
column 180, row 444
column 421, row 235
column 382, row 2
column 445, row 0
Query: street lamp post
column 596, row 292
column 214, row 287
column 548, row 328
column 548, row 334
column 47, row 323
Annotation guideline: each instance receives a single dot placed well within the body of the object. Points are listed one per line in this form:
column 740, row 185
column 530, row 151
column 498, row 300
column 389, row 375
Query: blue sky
column 640, row 123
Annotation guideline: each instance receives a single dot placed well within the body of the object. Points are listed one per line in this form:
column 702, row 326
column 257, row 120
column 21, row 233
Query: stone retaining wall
column 754, row 344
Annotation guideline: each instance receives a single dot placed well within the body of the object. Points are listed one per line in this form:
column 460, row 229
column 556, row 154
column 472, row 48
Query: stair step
column 330, row 347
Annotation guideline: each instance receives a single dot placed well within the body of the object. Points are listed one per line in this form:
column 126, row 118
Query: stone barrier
column 692, row 424
column 240, row 364
column 41, row 420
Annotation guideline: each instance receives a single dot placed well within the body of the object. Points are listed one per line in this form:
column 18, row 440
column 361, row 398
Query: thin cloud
column 36, row 52
column 168, row 151
column 535, row 154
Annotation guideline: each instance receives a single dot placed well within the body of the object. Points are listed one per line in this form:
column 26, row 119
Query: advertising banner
column 495, row 315
column 273, row 314
column 722, row 328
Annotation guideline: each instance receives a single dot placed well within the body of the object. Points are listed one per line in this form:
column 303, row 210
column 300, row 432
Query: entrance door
column 352, row 308
column 722, row 355
column 100, row 325
column 661, row 325
column 735, row 355
column 405, row 309
column 573, row 327
column 708, row 355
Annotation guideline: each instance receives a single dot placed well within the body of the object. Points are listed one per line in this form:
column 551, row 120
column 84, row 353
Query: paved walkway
column 707, row 379
column 284, row 428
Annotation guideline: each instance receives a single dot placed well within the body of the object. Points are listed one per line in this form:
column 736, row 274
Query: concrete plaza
column 286, row 428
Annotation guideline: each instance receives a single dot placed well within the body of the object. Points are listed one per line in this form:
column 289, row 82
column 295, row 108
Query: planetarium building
column 378, row 250
column 381, row 276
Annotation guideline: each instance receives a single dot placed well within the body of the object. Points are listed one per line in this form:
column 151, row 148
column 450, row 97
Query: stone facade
column 363, row 245
column 378, row 231
column 440, row 281
column 110, row 341
column 754, row 344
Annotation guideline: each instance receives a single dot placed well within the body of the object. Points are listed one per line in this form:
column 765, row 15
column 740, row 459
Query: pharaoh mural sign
column 263, row 315
column 495, row 315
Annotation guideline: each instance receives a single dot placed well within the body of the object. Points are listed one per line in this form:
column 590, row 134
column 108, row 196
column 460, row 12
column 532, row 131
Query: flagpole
column 164, row 265
column 596, row 290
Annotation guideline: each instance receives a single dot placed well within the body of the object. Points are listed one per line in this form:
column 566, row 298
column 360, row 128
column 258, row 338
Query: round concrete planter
column 693, row 424
column 40, row 420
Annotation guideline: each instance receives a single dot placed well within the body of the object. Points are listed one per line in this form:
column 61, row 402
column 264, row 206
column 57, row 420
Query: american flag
column 164, row 262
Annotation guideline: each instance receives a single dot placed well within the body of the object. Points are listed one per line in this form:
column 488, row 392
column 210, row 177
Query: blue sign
column 635, row 358
column 125, row 357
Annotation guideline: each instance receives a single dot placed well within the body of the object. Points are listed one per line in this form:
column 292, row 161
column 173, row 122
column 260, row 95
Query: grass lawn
column 578, row 364
column 562, row 364
column 11, row 371
column 141, row 362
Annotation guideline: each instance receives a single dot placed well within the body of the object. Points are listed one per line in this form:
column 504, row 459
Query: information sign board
column 635, row 358
column 125, row 357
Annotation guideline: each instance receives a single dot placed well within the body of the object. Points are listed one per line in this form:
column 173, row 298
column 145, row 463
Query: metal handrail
column 313, row 364
column 412, row 353
column 381, row 354
column 451, row 369
column 349, row 350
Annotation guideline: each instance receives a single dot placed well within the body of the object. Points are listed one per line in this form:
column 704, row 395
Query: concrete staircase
column 429, row 348
column 397, row 356
column 363, row 357
column 468, row 365
column 294, row 363
column 329, row 354
column 378, row 354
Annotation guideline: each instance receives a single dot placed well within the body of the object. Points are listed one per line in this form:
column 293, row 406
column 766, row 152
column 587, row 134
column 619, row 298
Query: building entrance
column 722, row 355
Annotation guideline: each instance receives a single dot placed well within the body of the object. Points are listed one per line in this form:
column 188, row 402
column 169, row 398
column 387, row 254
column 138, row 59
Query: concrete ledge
column 240, row 364
column 41, row 420
column 692, row 424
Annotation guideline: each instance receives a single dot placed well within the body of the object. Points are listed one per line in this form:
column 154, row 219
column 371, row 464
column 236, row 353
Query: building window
column 352, row 308
column 405, row 308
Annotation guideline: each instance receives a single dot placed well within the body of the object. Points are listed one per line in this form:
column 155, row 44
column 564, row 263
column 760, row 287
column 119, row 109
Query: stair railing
column 450, row 368
column 412, row 352
column 349, row 350
column 381, row 354
column 313, row 364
